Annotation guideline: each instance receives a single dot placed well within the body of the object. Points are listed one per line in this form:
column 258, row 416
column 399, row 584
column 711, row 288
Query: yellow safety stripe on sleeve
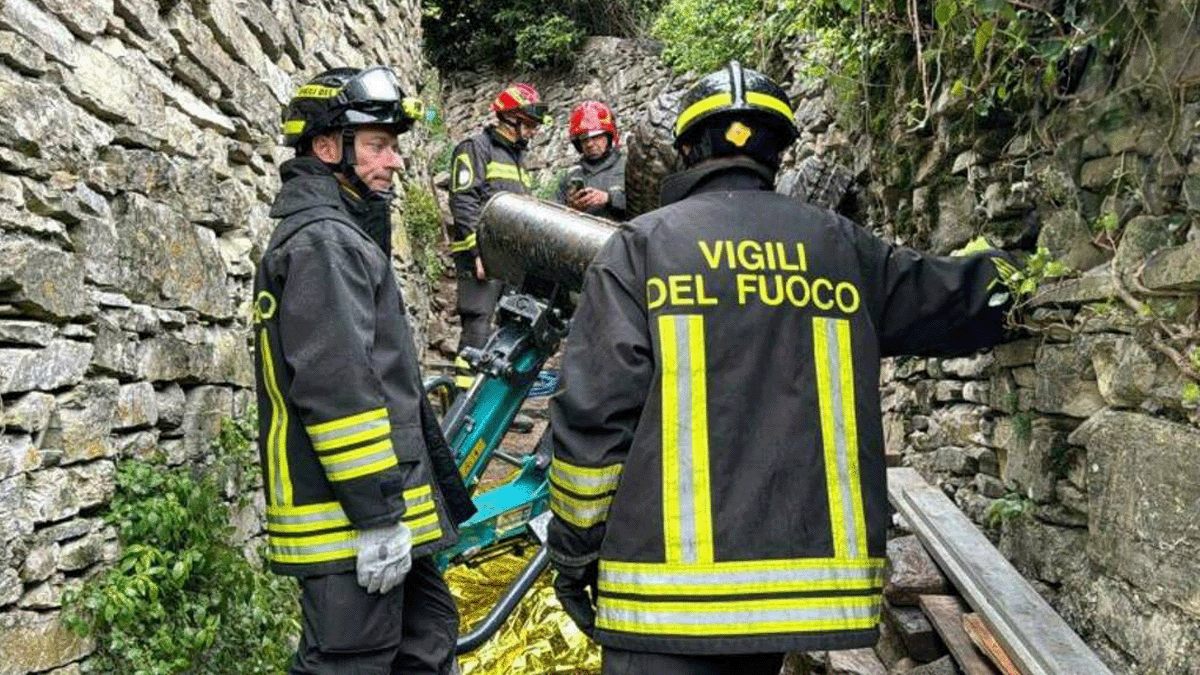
column 741, row 617
column 839, row 435
column 350, row 422
column 741, row 577
column 424, row 529
column 342, row 458
column 312, row 549
column 687, row 498
column 293, row 127
column 762, row 100
column 579, row 512
column 307, row 518
column 387, row 460
column 279, row 484
column 502, row 171
column 462, row 176
column 416, row 495
column 584, row 480
column 700, row 107
column 465, row 244
column 316, row 91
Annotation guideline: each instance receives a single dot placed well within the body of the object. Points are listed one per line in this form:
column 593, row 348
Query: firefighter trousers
column 347, row 631
column 621, row 662
column 476, row 304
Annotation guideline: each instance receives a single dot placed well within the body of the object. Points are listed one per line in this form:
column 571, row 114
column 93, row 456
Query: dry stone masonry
column 137, row 164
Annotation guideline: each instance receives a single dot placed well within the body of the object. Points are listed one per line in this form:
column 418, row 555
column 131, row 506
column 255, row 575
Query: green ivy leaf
column 983, row 35
column 944, row 12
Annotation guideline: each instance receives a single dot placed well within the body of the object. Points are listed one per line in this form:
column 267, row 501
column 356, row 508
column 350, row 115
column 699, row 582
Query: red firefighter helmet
column 521, row 100
column 592, row 118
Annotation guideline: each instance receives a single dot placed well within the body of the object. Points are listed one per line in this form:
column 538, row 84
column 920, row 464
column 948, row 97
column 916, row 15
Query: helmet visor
column 375, row 87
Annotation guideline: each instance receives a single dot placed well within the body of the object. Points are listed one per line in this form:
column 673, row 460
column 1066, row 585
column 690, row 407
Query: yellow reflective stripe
column 278, row 478
column 417, row 493
column 839, row 434
column 579, row 512
column 502, row 171
column 701, row 495
column 585, row 480
column 364, row 470
column 346, row 422
column 700, row 107
column 739, row 617
column 291, row 127
column 313, row 549
column 338, row 458
column 741, row 577
column 672, row 537
column 461, row 245
column 316, row 91
column 419, row 510
column 762, row 100
column 687, row 500
column 382, row 428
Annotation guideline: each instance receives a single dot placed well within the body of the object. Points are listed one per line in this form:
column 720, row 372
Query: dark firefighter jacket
column 341, row 436
column 482, row 165
column 717, row 434
column 607, row 174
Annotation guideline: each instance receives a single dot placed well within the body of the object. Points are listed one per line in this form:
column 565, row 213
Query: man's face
column 377, row 157
column 595, row 146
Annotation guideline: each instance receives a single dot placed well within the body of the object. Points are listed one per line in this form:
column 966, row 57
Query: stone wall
column 137, row 165
column 1073, row 445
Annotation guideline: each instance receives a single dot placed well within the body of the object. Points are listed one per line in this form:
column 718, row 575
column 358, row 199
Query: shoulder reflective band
column 582, row 495
column 687, row 499
column 502, row 171
column 463, row 174
column 279, row 484
column 834, row 363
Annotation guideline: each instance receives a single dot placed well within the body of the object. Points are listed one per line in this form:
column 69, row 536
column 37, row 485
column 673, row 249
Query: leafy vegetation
column 423, row 223
column 181, row 597
column 474, row 33
column 1006, row 508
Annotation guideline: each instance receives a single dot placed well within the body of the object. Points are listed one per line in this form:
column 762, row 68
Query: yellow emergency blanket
column 538, row 636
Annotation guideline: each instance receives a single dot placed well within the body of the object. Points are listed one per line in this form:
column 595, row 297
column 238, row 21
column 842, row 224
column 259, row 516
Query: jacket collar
column 716, row 175
column 607, row 161
column 308, row 183
column 499, row 139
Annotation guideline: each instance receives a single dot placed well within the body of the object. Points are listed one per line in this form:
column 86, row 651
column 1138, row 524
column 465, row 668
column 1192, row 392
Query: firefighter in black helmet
column 718, row 479
column 360, row 486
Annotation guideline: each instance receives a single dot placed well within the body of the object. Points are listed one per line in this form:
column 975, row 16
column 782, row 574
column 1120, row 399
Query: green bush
column 181, row 598
column 423, row 222
column 702, row 35
column 549, row 44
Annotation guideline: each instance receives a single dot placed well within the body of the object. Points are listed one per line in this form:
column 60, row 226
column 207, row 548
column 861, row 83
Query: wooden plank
column 945, row 612
column 1034, row 636
column 983, row 638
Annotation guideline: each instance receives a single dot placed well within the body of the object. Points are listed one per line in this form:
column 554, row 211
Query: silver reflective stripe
column 739, row 617
column 578, row 512
column 587, row 482
column 330, row 514
column 334, row 467
column 324, row 439
column 280, row 549
column 423, row 531
column 710, row 581
column 412, row 502
column 839, row 417
column 687, row 491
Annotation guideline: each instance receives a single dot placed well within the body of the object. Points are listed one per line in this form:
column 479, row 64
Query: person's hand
column 384, row 557
column 586, row 198
column 480, row 273
column 576, row 591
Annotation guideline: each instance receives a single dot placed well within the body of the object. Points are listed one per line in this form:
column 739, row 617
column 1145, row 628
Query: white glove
column 384, row 557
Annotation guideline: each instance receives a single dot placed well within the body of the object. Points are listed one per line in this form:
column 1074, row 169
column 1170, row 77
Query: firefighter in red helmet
column 596, row 184
column 482, row 165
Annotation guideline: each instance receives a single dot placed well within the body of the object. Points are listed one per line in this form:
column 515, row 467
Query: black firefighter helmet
column 343, row 98
column 734, row 111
